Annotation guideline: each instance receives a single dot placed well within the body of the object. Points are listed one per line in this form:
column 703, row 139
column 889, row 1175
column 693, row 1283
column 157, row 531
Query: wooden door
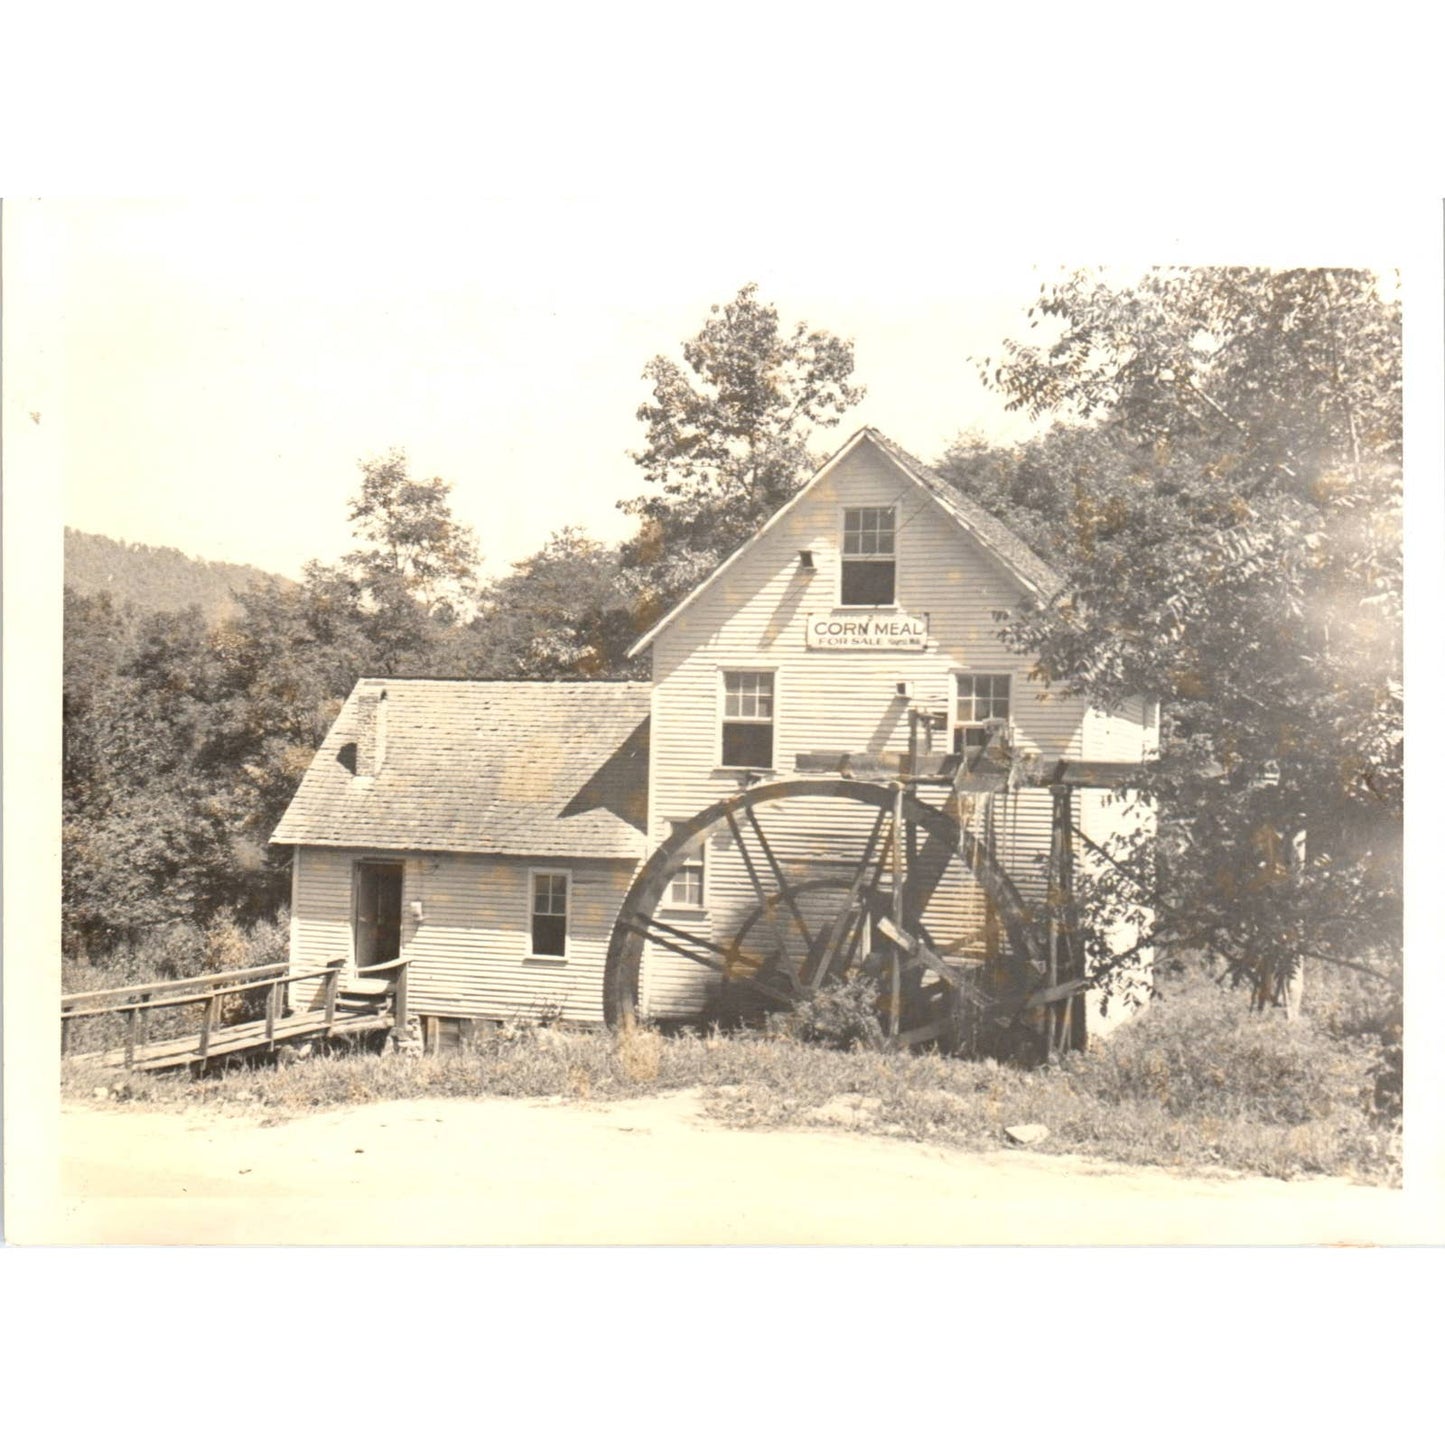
column 378, row 913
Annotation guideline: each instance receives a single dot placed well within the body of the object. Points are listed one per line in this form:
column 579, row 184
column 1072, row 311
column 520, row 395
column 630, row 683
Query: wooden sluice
column 375, row 1001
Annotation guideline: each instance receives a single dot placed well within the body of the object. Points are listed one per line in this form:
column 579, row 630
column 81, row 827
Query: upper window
column 983, row 698
column 869, row 564
column 549, row 915
column 747, row 729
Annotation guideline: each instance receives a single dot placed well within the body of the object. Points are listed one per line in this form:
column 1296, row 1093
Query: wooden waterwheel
column 801, row 932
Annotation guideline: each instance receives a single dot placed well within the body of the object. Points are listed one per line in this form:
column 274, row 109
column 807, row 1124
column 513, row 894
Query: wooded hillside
column 158, row 579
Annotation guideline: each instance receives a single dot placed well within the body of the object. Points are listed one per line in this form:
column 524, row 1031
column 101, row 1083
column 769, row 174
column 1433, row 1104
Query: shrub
column 1205, row 1052
column 843, row 1014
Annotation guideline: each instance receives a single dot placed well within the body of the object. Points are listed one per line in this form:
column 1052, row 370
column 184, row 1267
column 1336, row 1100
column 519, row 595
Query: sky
column 215, row 369
column 220, row 367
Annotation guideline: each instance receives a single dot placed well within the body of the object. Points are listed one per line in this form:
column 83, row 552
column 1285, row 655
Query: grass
column 1196, row 1083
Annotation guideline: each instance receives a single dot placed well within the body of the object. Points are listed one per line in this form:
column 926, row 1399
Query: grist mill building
column 489, row 832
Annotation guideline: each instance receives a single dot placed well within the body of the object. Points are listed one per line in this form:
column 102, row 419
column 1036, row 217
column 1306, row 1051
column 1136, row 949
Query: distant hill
column 156, row 578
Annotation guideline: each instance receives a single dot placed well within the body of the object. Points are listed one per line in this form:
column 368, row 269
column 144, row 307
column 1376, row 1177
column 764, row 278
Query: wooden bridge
column 373, row 1000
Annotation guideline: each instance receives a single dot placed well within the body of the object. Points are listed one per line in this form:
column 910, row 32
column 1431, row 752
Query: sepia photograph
column 546, row 762
column 704, row 720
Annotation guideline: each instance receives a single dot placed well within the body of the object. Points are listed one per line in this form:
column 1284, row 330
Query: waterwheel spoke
column 828, row 955
column 766, row 900
column 872, row 892
column 785, row 892
column 732, row 963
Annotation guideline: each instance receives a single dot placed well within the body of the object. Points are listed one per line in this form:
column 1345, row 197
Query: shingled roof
column 521, row 768
column 1010, row 549
column 1026, row 566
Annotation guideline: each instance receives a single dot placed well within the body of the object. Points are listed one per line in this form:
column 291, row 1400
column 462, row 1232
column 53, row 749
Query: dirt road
column 498, row 1171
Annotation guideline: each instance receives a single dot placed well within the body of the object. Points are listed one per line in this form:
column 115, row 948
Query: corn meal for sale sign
column 865, row 632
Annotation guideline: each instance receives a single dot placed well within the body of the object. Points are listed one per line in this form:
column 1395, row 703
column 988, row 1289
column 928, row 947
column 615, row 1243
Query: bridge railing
column 137, row 1003
column 398, row 968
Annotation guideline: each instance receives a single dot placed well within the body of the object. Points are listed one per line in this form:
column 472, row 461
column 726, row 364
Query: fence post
column 271, row 989
column 212, row 1008
column 400, row 1003
column 333, row 981
column 132, row 1025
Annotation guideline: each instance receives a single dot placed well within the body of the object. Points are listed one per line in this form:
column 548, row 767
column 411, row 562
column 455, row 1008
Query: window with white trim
column 869, row 563
column 549, row 914
column 747, row 721
column 685, row 890
column 983, row 698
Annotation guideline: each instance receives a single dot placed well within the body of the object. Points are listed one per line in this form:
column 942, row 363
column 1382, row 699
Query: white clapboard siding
column 753, row 617
column 472, row 954
column 1128, row 734
column 320, row 913
column 471, row 950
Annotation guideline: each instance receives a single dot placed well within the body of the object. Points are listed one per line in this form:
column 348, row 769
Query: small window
column 685, row 890
column 869, row 565
column 983, row 698
column 747, row 729
column 549, row 915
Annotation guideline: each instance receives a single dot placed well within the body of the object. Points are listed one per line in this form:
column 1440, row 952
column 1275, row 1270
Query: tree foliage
column 156, row 578
column 185, row 740
column 727, row 437
column 1228, row 523
column 566, row 611
column 419, row 551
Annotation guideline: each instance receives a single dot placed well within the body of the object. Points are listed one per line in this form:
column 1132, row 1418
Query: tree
column 419, row 550
column 145, row 836
column 1042, row 487
column 563, row 612
column 185, row 742
column 1240, row 562
column 727, row 438
column 416, row 580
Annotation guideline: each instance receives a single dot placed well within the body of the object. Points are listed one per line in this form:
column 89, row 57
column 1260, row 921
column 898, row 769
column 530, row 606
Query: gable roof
column 1025, row 565
column 519, row 768
column 1016, row 555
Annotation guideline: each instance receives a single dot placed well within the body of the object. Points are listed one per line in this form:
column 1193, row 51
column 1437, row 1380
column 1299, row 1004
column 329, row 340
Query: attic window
column 869, row 563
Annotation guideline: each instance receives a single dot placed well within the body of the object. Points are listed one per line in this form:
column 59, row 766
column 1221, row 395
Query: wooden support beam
column 895, row 962
column 876, row 766
column 919, row 953
column 401, row 1004
column 850, row 931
